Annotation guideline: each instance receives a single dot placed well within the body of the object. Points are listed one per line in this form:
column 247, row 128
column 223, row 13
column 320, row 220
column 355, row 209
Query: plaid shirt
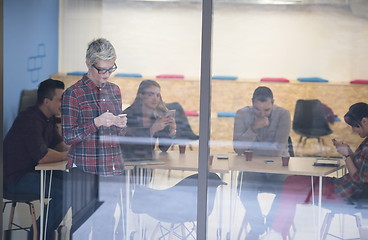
column 347, row 186
column 93, row 149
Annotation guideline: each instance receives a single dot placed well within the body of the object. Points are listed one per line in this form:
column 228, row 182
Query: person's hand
column 342, row 148
column 160, row 124
column 260, row 123
column 121, row 120
column 172, row 124
column 107, row 119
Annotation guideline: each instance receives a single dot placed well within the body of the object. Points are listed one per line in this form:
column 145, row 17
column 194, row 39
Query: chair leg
column 326, row 225
column 298, row 144
column 154, row 232
column 11, row 216
column 183, row 233
column 34, row 223
column 171, row 230
column 243, row 227
column 363, row 230
column 304, row 142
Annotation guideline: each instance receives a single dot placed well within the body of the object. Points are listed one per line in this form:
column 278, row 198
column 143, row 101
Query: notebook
column 328, row 162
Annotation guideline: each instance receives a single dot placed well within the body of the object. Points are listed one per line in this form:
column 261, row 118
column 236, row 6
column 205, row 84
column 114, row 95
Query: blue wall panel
column 30, row 49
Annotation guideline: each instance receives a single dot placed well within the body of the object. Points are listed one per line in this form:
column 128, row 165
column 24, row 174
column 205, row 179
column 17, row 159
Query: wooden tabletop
column 52, row 166
column 297, row 165
column 187, row 161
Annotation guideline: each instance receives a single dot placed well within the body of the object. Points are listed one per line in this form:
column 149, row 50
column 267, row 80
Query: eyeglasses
column 105, row 70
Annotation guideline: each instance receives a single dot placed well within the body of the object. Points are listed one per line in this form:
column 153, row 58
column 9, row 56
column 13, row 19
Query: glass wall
column 216, row 93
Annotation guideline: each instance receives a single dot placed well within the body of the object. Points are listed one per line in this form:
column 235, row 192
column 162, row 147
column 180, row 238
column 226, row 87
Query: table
column 188, row 161
column 297, row 166
column 43, row 167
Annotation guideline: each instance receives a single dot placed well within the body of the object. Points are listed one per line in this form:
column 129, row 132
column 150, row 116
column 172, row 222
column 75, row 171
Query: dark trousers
column 30, row 184
column 249, row 185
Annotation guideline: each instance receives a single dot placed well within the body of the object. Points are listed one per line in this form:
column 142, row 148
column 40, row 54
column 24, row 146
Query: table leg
column 42, row 197
column 48, row 205
column 319, row 205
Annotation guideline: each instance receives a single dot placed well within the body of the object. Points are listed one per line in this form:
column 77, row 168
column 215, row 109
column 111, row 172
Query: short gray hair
column 100, row 49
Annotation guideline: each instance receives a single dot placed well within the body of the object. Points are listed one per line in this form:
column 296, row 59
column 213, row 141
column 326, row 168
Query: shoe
column 272, row 235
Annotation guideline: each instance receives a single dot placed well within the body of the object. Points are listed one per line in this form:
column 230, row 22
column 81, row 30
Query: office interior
column 278, row 41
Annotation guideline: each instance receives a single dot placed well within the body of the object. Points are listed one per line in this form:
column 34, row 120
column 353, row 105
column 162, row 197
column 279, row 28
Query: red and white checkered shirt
column 94, row 150
column 347, row 186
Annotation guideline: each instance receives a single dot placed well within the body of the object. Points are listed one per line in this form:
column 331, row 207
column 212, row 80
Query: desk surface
column 52, row 166
column 297, row 165
column 188, row 161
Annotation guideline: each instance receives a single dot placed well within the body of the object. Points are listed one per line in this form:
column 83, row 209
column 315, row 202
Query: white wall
column 249, row 41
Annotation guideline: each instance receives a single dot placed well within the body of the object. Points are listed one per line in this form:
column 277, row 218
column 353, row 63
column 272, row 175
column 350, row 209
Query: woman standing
column 90, row 110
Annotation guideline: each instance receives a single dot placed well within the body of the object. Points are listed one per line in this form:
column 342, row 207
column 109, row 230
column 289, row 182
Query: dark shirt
column 138, row 143
column 27, row 142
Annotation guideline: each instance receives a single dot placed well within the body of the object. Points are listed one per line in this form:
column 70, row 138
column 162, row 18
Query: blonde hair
column 100, row 49
column 143, row 86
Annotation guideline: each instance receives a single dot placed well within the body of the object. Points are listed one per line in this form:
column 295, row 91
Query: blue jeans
column 30, row 184
column 252, row 184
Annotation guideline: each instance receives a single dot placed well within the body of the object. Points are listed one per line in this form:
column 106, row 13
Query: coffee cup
column 285, row 161
column 248, row 155
column 210, row 160
column 182, row 149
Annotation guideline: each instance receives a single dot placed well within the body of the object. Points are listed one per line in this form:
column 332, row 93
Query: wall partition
column 207, row 61
column 234, row 72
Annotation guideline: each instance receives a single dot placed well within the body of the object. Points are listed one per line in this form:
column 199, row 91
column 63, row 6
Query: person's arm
column 77, row 122
column 62, row 147
column 280, row 145
column 53, row 156
column 243, row 136
column 345, row 150
column 358, row 174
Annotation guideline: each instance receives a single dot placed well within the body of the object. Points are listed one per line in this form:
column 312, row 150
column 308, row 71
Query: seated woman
column 297, row 189
column 148, row 120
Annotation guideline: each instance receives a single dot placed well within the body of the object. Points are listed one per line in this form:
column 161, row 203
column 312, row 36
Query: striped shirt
column 347, row 186
column 94, row 150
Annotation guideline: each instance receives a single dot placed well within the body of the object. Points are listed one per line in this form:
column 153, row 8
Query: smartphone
column 171, row 113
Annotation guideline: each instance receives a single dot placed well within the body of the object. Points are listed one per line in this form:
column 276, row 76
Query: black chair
column 176, row 205
column 14, row 199
column 310, row 122
column 28, row 98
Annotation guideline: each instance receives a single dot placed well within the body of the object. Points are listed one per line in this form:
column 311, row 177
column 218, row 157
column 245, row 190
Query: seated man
column 263, row 128
column 33, row 139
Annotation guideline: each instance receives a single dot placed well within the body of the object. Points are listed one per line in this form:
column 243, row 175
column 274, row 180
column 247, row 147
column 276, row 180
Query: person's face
column 151, row 97
column 101, row 66
column 262, row 109
column 54, row 106
column 362, row 130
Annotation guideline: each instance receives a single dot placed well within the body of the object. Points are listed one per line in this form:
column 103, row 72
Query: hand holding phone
column 171, row 114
